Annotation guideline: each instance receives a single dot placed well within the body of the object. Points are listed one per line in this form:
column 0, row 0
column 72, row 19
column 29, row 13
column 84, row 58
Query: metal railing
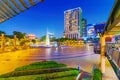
column 113, row 55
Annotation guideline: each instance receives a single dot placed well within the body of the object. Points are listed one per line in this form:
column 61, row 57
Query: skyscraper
column 84, row 27
column 73, row 23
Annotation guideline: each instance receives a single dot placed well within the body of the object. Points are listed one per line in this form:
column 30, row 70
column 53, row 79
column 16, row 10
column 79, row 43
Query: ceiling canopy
column 113, row 24
column 11, row 8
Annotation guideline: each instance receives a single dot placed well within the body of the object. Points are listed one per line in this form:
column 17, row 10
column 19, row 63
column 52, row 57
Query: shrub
column 34, row 72
column 97, row 75
column 40, row 71
column 46, row 76
column 40, row 65
column 43, row 63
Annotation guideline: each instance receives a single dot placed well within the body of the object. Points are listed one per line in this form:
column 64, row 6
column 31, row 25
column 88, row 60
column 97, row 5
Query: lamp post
column 2, row 42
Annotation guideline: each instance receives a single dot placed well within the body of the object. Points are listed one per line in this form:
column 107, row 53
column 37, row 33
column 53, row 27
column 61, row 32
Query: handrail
column 79, row 76
column 111, row 54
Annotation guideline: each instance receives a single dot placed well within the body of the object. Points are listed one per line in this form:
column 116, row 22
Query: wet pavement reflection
column 72, row 56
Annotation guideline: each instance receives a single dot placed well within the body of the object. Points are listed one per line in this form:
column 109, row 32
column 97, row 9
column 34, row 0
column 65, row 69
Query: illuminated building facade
column 94, row 30
column 73, row 23
column 99, row 29
column 84, row 28
column 31, row 36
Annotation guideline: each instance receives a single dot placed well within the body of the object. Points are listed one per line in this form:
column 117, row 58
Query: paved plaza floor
column 72, row 56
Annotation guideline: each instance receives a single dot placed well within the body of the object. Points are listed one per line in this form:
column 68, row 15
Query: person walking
column 79, row 68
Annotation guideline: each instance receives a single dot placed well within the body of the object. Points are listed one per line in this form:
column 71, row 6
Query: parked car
column 96, row 48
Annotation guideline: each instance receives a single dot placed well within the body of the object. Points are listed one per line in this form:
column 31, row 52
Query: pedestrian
column 79, row 68
column 93, row 68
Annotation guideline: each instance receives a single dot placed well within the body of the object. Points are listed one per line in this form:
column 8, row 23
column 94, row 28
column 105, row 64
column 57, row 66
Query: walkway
column 109, row 74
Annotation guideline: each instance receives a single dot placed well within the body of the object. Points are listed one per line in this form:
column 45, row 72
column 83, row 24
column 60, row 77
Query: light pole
column 2, row 42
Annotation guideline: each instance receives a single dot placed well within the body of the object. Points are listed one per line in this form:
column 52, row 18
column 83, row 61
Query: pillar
column 2, row 42
column 102, row 53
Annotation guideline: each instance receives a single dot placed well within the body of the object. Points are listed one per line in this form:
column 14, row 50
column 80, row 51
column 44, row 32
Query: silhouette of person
column 79, row 68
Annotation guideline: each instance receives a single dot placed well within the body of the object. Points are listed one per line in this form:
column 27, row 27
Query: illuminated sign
column 91, row 30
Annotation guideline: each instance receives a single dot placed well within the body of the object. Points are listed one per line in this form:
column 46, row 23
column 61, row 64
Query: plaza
column 75, row 48
column 72, row 56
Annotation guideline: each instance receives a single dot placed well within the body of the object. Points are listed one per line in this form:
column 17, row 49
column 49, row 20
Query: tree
column 2, row 32
column 10, row 36
column 19, row 35
column 23, row 42
column 33, row 41
column 52, row 39
column 62, row 39
column 43, row 38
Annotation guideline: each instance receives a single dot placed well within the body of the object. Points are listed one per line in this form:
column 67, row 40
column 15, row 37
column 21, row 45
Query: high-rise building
column 73, row 23
column 84, row 27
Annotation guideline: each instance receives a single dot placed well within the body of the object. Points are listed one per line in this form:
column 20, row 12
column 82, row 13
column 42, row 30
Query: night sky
column 50, row 14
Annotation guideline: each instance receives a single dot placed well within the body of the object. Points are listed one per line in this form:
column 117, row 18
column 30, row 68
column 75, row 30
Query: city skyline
column 48, row 16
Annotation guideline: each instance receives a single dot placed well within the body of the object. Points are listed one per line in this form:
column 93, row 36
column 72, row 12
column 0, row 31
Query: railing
column 113, row 55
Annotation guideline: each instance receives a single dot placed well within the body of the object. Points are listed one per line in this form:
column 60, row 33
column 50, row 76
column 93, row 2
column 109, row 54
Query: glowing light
column 118, row 24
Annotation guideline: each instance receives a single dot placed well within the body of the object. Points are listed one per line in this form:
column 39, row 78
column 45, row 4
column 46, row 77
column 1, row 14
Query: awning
column 113, row 24
column 11, row 8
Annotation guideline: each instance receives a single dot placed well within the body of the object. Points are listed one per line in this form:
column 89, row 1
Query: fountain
column 47, row 39
column 47, row 44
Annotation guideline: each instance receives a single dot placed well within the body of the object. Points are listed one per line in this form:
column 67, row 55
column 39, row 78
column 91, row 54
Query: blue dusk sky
column 50, row 14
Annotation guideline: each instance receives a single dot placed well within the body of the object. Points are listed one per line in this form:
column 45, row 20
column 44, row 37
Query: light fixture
column 118, row 24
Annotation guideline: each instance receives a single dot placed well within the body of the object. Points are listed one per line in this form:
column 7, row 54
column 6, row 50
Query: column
column 66, row 35
column 102, row 54
column 2, row 42
column 74, row 35
column 77, row 36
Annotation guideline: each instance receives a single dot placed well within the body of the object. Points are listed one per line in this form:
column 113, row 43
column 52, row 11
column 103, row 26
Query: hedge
column 34, row 72
column 97, row 75
column 47, row 76
column 40, row 65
